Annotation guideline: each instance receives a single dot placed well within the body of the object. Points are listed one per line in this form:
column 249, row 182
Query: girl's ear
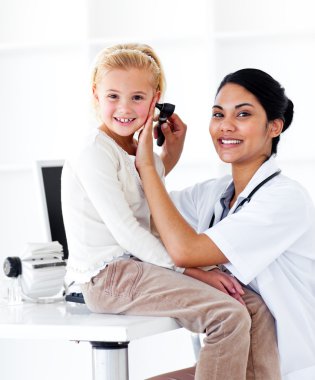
column 94, row 91
column 276, row 127
column 158, row 96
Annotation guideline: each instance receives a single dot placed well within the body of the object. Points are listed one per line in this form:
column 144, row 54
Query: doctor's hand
column 219, row 280
column 174, row 131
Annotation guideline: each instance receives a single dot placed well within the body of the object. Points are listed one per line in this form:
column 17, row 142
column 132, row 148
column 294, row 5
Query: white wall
column 45, row 51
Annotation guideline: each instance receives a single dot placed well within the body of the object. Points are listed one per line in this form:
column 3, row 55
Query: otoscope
column 166, row 110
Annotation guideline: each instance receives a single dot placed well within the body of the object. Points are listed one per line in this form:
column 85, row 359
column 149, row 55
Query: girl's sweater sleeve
column 97, row 172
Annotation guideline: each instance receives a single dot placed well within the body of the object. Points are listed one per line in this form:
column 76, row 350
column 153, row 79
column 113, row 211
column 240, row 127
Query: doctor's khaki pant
column 239, row 343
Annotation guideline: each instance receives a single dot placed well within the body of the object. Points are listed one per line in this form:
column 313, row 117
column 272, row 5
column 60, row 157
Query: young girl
column 114, row 252
column 258, row 223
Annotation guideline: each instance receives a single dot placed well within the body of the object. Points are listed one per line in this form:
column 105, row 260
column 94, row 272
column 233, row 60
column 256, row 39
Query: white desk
column 108, row 334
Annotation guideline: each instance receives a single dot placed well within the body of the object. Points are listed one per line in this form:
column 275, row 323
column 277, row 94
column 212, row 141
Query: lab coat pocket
column 264, row 278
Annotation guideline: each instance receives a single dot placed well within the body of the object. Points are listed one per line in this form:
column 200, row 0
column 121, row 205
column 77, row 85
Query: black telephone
column 166, row 110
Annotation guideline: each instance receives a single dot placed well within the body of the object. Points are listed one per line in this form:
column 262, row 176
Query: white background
column 46, row 47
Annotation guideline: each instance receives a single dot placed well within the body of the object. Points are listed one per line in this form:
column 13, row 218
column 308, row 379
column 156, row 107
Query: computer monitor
column 48, row 174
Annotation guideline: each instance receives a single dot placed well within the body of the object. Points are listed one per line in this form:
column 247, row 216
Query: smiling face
column 239, row 127
column 124, row 98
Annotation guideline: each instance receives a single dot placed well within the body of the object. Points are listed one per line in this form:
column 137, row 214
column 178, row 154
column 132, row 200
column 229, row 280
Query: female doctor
column 257, row 222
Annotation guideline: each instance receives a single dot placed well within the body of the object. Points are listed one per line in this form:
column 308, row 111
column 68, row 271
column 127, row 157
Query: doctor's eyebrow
column 243, row 104
column 236, row 107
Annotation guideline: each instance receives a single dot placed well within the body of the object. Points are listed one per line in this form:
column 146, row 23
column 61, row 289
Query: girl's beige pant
column 239, row 343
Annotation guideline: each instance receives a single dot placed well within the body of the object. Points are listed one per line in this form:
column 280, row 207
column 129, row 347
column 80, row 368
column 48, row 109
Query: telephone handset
column 166, row 110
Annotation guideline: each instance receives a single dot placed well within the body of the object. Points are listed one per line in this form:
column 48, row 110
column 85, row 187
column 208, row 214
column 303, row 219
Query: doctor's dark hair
column 268, row 92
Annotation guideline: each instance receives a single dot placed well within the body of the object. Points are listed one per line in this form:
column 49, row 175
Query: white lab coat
column 270, row 245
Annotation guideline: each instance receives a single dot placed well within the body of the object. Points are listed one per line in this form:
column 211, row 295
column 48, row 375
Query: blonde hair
column 127, row 56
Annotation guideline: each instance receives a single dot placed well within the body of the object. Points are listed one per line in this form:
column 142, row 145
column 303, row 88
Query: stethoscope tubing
column 249, row 197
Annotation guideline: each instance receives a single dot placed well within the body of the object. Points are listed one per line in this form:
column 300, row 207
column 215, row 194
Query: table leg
column 110, row 360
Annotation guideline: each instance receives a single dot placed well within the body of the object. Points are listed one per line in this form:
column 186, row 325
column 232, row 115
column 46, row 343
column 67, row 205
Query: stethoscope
column 249, row 197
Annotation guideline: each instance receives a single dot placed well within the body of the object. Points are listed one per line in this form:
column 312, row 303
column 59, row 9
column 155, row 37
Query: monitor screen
column 49, row 181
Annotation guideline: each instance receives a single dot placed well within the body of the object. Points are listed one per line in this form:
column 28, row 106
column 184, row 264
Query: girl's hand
column 144, row 155
column 219, row 280
column 174, row 131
